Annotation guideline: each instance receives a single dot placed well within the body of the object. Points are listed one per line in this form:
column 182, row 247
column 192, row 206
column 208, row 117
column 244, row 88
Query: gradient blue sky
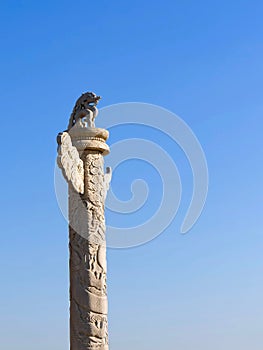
column 203, row 61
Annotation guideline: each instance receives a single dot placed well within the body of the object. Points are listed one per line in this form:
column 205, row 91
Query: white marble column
column 80, row 156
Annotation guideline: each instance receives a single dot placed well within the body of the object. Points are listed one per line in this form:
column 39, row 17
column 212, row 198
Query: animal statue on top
column 85, row 111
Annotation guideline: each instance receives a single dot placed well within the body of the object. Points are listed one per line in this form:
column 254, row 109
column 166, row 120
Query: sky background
column 203, row 61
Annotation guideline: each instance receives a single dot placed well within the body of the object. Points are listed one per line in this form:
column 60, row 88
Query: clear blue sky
column 201, row 60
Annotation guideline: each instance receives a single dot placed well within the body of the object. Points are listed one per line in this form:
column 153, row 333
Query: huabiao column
column 81, row 149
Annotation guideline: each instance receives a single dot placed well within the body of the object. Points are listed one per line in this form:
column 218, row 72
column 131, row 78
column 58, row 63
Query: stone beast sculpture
column 85, row 110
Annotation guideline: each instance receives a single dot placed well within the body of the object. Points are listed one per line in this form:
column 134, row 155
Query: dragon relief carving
column 95, row 196
column 88, row 299
column 99, row 325
column 98, row 269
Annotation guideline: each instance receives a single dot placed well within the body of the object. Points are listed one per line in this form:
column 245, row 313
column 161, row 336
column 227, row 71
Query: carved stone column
column 80, row 156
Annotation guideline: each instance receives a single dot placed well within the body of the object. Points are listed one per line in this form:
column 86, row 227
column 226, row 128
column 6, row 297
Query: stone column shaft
column 88, row 290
